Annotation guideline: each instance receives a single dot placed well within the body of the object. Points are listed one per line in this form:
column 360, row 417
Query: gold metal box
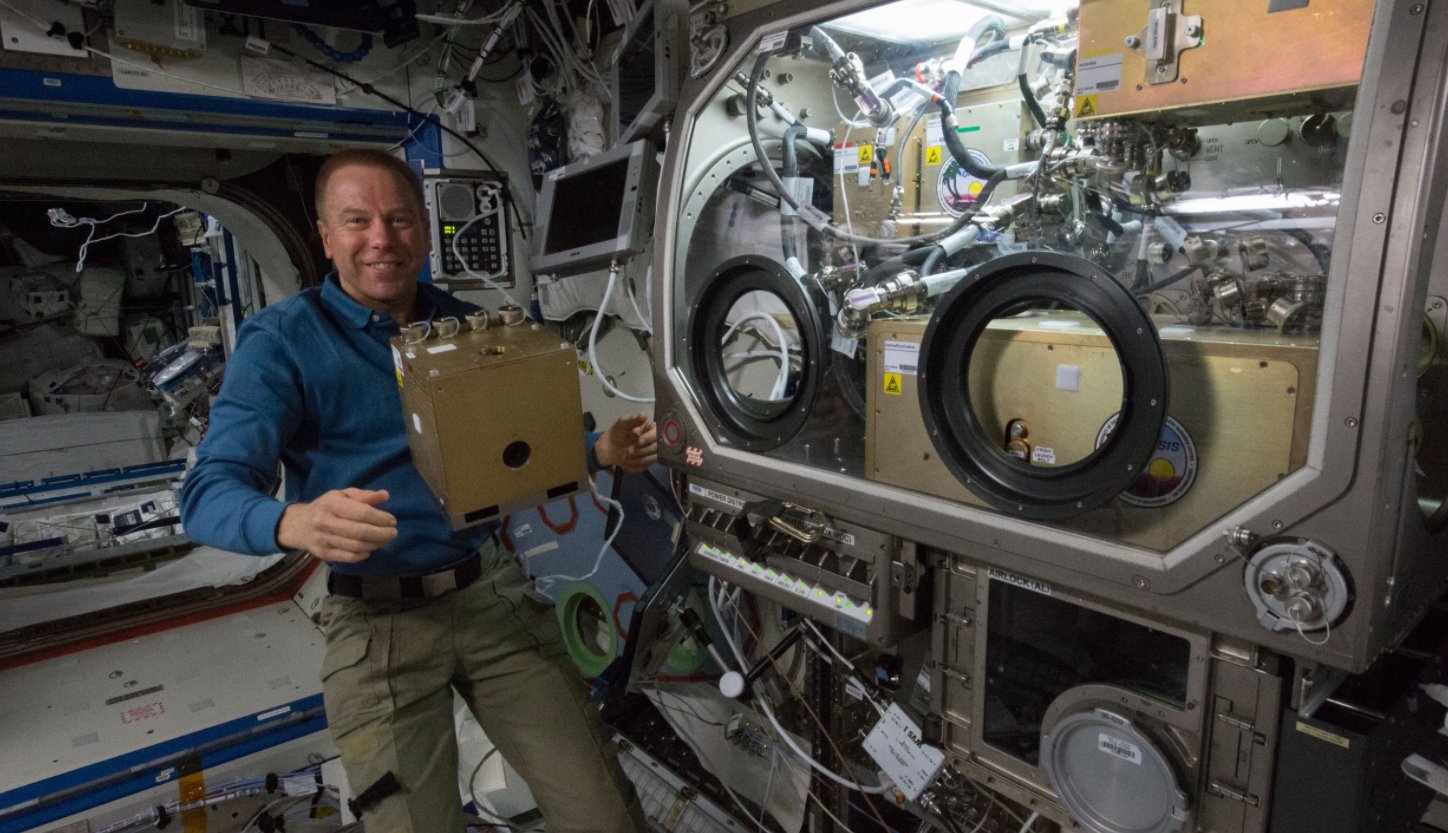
column 1225, row 59
column 494, row 419
column 1243, row 400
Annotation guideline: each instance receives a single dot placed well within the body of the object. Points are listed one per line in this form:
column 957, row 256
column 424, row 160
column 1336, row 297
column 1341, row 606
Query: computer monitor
column 596, row 210
column 648, row 69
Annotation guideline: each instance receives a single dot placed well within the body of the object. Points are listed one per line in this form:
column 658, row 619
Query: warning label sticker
column 892, row 383
column 1086, row 106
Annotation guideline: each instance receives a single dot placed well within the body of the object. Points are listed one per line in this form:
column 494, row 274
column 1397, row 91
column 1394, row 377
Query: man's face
column 374, row 232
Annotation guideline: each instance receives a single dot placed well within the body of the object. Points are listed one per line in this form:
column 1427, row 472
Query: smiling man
column 311, row 386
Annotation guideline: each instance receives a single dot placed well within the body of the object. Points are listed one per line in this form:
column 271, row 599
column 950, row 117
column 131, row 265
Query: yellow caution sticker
column 865, row 151
column 932, row 156
column 892, row 383
column 1323, row 734
column 397, row 365
column 1086, row 106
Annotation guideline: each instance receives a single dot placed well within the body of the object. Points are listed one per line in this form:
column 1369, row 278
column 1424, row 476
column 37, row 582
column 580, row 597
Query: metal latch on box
column 805, row 525
column 1225, row 789
column 1167, row 34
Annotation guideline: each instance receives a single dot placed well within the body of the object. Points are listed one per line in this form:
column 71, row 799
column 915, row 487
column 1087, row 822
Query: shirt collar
column 359, row 316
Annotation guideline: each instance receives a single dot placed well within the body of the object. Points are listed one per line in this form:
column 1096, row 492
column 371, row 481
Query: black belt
column 396, row 588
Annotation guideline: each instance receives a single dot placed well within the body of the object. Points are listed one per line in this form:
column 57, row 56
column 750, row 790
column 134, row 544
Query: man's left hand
column 632, row 444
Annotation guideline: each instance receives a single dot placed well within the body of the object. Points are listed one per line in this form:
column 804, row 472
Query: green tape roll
column 584, row 648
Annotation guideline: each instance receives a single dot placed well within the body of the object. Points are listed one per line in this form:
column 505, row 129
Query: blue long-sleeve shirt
column 311, row 383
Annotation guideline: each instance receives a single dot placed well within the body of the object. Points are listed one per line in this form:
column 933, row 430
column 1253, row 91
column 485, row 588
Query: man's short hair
column 371, row 158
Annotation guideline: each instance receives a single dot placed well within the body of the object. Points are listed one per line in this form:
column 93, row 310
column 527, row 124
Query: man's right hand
column 341, row 525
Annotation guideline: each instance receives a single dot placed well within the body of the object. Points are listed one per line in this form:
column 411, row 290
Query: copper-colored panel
column 1245, row 53
column 1244, row 397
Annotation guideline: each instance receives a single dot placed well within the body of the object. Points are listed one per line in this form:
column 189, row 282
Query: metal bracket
column 1167, row 34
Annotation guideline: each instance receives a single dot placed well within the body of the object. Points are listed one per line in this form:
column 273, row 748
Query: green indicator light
column 449, row 229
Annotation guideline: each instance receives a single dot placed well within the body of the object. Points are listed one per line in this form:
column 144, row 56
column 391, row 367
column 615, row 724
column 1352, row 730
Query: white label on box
column 1020, row 581
column 896, row 746
column 924, row 679
column 890, row 134
column 1118, row 747
column 1068, row 377
column 840, row 537
column 300, row 785
column 1098, row 75
column 883, row 80
column 902, row 357
column 847, row 158
column 934, row 135
column 442, row 348
column 1171, row 230
column 864, row 178
column 799, row 187
column 1011, row 146
column 522, row 529
column 718, row 497
column 187, row 20
column 769, row 43
column 842, row 345
column 1112, row 717
column 1041, row 454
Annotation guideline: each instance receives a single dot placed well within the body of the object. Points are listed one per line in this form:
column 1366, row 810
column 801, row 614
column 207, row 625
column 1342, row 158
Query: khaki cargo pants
column 388, row 679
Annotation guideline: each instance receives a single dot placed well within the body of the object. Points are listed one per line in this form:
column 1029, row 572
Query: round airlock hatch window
column 756, row 352
column 1021, row 365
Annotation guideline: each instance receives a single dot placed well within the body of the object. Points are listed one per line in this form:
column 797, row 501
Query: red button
column 673, row 434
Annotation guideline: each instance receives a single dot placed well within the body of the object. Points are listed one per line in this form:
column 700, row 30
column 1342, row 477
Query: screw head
column 1160, row 70
column 1192, row 30
column 1379, row 218
column 1276, row 524
column 1140, row 582
column 1220, row 559
column 1350, row 422
column 1418, row 9
column 1132, row 41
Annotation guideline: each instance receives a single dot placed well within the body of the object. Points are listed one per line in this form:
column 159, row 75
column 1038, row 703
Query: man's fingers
column 371, row 498
column 372, row 535
column 362, row 513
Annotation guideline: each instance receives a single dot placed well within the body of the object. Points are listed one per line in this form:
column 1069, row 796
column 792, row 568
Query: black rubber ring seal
column 746, row 423
column 1005, row 482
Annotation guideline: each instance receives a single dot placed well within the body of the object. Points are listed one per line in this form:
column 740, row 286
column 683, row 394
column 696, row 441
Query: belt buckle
column 436, row 584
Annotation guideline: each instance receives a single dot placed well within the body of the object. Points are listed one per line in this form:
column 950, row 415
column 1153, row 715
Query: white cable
column 60, row 219
column 1031, row 819
column 781, row 382
column 468, row 269
column 644, row 322
column 768, row 784
column 769, row 712
column 819, row 767
column 593, row 341
column 597, row 562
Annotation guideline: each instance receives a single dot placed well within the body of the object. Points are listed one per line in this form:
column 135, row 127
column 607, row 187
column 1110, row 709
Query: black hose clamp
column 977, row 460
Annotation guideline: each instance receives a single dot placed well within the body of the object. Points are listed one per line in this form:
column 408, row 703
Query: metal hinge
column 1223, row 789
